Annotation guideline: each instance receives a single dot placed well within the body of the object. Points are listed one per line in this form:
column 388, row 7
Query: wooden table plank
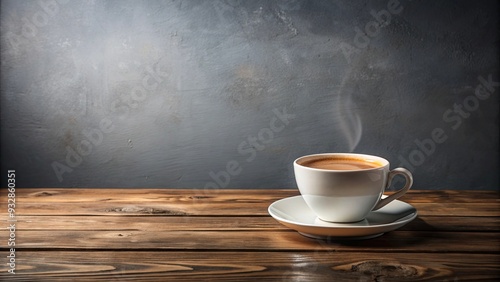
column 219, row 209
column 221, row 223
column 54, row 195
column 66, row 195
column 249, row 266
column 229, row 206
column 399, row 241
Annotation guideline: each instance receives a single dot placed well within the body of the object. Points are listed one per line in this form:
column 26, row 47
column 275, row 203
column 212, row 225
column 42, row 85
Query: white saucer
column 294, row 213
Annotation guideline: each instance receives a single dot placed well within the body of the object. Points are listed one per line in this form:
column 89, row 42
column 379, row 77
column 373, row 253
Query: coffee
column 340, row 163
column 346, row 187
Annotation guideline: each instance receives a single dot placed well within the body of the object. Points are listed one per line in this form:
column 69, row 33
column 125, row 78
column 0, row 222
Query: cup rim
column 384, row 162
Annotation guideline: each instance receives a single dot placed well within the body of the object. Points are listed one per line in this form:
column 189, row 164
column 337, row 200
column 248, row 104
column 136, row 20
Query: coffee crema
column 339, row 163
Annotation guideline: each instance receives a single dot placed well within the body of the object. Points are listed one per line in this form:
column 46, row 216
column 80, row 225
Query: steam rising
column 350, row 122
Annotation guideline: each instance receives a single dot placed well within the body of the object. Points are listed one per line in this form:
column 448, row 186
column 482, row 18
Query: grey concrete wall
column 215, row 94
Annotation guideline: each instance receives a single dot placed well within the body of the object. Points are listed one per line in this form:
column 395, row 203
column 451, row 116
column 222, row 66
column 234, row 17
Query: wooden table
column 193, row 235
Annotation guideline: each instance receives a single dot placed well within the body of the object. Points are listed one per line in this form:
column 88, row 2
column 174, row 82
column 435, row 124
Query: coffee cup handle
column 409, row 182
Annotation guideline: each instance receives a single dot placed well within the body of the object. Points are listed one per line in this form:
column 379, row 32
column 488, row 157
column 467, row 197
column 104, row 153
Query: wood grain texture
column 225, row 223
column 184, row 235
column 161, row 195
column 406, row 241
column 269, row 266
column 221, row 202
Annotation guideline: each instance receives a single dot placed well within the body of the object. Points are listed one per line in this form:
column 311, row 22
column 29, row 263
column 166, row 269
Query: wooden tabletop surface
column 228, row 235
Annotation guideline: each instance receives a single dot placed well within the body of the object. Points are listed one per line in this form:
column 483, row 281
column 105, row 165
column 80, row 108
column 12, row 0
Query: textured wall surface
column 214, row 94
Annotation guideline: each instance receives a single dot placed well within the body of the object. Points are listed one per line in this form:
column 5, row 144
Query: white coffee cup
column 345, row 187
